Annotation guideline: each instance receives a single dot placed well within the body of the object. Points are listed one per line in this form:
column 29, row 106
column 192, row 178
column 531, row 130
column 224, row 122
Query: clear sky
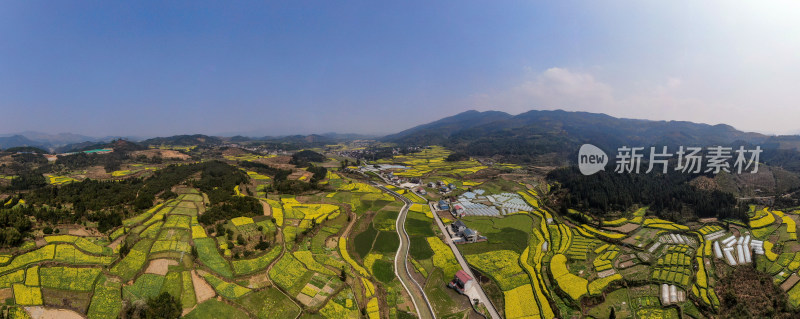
column 155, row 68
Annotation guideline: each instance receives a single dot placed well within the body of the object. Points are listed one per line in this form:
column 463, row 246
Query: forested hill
column 438, row 132
column 184, row 140
column 553, row 137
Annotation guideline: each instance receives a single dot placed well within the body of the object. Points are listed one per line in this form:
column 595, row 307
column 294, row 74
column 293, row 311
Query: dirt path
column 79, row 232
column 346, row 233
column 352, row 222
column 279, row 236
column 267, row 208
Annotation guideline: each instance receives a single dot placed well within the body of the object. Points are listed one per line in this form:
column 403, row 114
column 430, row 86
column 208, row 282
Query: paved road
column 421, row 302
column 478, row 289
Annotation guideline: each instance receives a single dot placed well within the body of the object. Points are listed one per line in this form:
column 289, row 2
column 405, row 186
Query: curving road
column 421, row 302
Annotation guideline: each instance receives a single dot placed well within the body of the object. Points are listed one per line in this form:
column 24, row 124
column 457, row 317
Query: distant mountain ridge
column 537, row 136
column 183, row 140
column 52, row 142
column 17, row 141
column 439, row 131
column 551, row 136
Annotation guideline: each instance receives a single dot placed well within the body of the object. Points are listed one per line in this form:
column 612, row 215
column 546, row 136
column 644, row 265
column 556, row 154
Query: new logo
column 591, row 159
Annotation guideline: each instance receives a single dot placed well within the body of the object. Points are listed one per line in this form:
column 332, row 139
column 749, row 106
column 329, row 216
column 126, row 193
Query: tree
column 124, row 250
column 262, row 245
column 165, row 306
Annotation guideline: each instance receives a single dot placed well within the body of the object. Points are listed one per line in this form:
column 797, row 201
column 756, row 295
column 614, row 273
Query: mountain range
column 537, row 136
column 548, row 137
column 51, row 141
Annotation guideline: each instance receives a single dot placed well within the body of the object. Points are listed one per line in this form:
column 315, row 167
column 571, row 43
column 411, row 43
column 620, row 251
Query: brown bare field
column 298, row 173
column 305, row 300
column 160, row 266
column 258, row 280
column 39, row 312
column 790, row 282
column 114, row 244
column 202, row 289
column 279, row 162
column 233, row 151
column 627, row 228
column 79, row 230
column 6, row 293
column 332, row 242
column 170, row 154
column 97, row 172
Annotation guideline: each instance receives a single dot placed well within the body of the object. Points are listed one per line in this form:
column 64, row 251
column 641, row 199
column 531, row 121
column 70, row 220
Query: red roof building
column 461, row 281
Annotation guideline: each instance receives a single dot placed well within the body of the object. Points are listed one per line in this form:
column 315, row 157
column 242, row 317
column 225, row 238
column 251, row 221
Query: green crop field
column 364, row 240
column 212, row 309
column 68, row 278
column 231, row 232
column 386, row 242
column 249, row 266
column 145, row 286
column 209, row 256
column 133, row 261
column 419, row 248
column 383, row 270
column 226, row 289
column 290, row 274
column 269, row 303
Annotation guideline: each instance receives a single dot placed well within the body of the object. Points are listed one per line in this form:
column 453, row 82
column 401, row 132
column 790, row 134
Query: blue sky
column 161, row 68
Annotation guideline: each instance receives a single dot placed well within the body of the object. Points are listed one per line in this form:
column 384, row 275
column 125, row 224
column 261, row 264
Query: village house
column 444, row 205
column 461, row 281
column 462, row 234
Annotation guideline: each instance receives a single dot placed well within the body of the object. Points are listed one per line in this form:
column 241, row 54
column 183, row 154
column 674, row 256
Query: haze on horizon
column 153, row 68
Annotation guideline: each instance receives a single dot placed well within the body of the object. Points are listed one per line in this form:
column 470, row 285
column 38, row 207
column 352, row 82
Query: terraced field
column 329, row 252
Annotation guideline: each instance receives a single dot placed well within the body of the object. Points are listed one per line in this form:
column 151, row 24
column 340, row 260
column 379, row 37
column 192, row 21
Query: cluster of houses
column 457, row 210
column 442, row 187
column 385, row 171
column 737, row 251
column 462, row 234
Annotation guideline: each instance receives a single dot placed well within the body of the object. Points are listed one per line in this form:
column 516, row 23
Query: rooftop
column 463, row 276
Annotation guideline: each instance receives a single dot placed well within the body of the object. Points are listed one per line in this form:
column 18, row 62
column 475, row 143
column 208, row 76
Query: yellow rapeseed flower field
column 27, row 296
column 573, row 285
